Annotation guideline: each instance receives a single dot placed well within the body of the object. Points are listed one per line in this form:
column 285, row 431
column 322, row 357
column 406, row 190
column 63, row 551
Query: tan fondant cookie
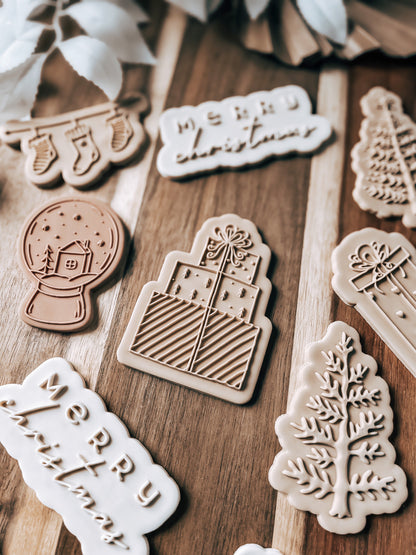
column 82, row 462
column 336, row 459
column 239, row 131
column 375, row 272
column 78, row 146
column 68, row 247
column 203, row 324
column 385, row 158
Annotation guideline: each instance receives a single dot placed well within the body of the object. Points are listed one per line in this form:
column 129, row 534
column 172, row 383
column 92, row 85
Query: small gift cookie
column 73, row 453
column 69, row 247
column 375, row 272
column 254, row 549
column 239, row 131
column 203, row 324
column 336, row 459
column 385, row 158
column 78, row 146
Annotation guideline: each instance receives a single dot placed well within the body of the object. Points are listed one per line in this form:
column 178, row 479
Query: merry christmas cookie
column 203, row 324
column 254, row 549
column 336, row 459
column 375, row 272
column 78, row 146
column 239, row 131
column 73, row 453
column 68, row 248
column 385, row 158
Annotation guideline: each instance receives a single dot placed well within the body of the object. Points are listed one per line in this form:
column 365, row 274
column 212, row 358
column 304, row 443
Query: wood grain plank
column 313, row 313
column 216, row 451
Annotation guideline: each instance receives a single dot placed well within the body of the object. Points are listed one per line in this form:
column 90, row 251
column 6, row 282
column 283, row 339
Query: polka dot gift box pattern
column 68, row 247
column 202, row 324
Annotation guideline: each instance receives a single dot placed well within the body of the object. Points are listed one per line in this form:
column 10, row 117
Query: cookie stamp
column 336, row 459
column 375, row 272
column 203, row 324
column 78, row 146
column 68, row 248
column 254, row 549
column 239, row 131
column 385, row 158
column 73, row 453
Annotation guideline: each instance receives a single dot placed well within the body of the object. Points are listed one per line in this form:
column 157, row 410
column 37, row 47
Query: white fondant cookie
column 203, row 324
column 375, row 272
column 239, row 131
column 254, row 549
column 385, row 158
column 81, row 461
column 336, row 459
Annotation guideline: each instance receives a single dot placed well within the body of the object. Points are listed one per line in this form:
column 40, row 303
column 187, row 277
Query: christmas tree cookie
column 239, row 131
column 375, row 272
column 73, row 453
column 336, row 459
column 203, row 324
column 78, row 146
column 385, row 158
column 68, row 248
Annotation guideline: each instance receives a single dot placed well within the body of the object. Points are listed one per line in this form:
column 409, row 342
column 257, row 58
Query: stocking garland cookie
column 336, row 459
column 203, row 324
column 385, row 158
column 375, row 272
column 68, row 247
column 239, row 131
column 81, row 461
column 78, row 146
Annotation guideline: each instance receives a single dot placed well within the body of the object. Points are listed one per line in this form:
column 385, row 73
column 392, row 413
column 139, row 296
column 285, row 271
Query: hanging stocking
column 122, row 131
column 86, row 149
column 44, row 153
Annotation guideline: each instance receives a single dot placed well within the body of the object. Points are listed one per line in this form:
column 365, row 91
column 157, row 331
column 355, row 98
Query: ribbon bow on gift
column 231, row 240
column 372, row 257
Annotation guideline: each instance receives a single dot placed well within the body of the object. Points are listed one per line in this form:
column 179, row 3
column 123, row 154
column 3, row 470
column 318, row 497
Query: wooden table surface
column 218, row 453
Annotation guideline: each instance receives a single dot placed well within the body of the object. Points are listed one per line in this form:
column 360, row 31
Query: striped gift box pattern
column 189, row 337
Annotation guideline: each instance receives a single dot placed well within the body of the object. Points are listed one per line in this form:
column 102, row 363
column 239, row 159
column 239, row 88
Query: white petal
column 130, row 6
column 18, row 88
column 256, row 7
column 20, row 49
column 93, row 60
column 197, row 8
column 113, row 26
column 327, row 17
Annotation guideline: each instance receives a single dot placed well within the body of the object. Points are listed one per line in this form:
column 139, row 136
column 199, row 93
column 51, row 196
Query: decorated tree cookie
column 202, row 324
column 385, row 158
column 336, row 459
column 375, row 272
column 68, row 247
column 82, row 462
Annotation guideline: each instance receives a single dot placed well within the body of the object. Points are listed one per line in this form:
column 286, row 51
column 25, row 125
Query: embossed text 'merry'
column 239, row 131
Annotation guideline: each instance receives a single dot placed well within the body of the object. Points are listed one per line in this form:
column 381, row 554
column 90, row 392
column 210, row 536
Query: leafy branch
column 361, row 396
column 321, row 456
column 371, row 485
column 367, row 426
column 326, row 410
column 110, row 36
column 310, row 477
column 367, row 453
column 312, row 433
column 330, row 387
